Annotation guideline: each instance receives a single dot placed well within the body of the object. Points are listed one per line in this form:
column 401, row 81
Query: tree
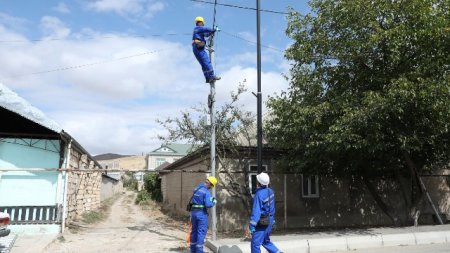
column 152, row 185
column 369, row 93
column 234, row 128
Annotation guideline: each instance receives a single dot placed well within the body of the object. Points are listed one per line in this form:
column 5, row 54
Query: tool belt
column 200, row 44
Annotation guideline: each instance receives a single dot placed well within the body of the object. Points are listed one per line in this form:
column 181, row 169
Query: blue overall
column 200, row 32
column 261, row 234
column 201, row 200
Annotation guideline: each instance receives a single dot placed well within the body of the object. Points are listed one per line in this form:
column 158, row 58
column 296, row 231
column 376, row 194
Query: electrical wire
column 242, row 7
column 96, row 38
column 93, row 63
column 252, row 42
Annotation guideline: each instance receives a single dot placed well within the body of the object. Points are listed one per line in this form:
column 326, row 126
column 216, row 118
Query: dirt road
column 127, row 229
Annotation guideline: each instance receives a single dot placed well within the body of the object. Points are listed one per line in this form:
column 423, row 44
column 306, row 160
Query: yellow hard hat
column 212, row 180
column 199, row 19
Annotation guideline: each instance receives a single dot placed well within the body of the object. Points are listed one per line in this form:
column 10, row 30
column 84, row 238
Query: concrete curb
column 340, row 243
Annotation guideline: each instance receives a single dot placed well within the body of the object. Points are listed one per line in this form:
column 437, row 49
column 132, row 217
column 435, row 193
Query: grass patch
column 101, row 214
column 61, row 238
column 93, row 217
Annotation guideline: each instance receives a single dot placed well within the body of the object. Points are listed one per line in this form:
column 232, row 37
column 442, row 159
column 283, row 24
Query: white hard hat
column 263, row 178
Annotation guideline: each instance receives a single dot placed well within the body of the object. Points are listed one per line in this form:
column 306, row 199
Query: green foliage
column 130, row 182
column 142, row 197
column 152, row 184
column 233, row 123
column 370, row 87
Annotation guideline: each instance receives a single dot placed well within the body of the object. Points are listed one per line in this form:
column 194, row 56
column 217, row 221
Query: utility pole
column 259, row 96
column 211, row 101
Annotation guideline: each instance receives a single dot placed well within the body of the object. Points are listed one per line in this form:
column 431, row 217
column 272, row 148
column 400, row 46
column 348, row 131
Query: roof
column 205, row 153
column 173, row 149
column 12, row 102
column 162, row 166
column 113, row 175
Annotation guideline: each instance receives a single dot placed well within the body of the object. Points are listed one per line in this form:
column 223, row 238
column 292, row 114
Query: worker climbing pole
column 205, row 59
column 213, row 126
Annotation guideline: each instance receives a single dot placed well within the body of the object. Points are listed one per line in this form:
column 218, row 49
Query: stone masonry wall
column 84, row 186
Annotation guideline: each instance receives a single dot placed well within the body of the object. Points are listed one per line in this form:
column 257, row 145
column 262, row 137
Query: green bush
column 142, row 196
column 130, row 183
column 152, row 184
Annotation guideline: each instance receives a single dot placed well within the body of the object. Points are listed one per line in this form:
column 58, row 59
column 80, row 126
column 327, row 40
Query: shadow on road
column 154, row 231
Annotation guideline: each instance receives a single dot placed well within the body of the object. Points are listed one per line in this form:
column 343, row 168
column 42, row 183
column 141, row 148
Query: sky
column 107, row 70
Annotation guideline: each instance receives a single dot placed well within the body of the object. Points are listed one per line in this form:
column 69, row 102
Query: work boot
column 213, row 79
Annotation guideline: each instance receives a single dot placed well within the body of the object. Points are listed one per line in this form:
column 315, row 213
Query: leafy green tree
column 369, row 90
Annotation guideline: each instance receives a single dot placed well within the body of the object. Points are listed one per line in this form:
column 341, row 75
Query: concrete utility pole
column 259, row 98
column 211, row 101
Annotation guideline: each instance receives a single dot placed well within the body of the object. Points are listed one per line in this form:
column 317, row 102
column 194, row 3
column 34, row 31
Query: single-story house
column 301, row 200
column 47, row 179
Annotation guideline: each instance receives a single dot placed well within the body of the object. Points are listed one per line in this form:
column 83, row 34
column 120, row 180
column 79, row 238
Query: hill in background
column 108, row 156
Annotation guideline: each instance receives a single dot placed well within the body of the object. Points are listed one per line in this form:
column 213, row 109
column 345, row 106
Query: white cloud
column 11, row 22
column 61, row 8
column 54, row 28
column 133, row 9
column 112, row 106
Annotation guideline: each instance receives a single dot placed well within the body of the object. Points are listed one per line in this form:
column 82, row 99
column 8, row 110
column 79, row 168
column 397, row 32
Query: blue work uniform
column 201, row 200
column 200, row 32
column 262, row 207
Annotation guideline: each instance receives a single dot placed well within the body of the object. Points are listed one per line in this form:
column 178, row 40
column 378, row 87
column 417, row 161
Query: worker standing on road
column 200, row 201
column 262, row 217
column 198, row 47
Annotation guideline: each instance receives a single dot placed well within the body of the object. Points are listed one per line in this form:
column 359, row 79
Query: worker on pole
column 201, row 200
column 262, row 216
column 198, row 47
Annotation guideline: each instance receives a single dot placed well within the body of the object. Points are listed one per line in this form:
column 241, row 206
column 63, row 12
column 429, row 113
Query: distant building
column 127, row 163
column 167, row 153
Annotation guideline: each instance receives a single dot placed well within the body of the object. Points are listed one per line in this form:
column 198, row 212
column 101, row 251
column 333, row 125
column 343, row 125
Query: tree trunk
column 386, row 210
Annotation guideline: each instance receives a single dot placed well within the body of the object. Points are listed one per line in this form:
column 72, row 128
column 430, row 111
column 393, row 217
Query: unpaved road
column 127, row 229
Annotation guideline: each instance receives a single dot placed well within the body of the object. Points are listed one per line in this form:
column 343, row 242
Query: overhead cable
column 252, row 42
column 241, row 7
column 96, row 38
column 93, row 63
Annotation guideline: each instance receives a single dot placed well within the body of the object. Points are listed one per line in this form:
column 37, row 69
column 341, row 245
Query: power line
column 252, row 42
column 96, row 38
column 242, row 7
column 92, row 64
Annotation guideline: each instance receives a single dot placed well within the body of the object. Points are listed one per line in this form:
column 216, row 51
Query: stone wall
column 84, row 186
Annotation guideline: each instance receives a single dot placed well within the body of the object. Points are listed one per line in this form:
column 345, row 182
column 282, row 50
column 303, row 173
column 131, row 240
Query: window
column 159, row 161
column 310, row 184
column 253, row 171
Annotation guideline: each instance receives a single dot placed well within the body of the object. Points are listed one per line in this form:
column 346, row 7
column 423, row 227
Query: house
column 167, row 153
column 302, row 201
column 125, row 163
column 111, row 185
column 47, row 179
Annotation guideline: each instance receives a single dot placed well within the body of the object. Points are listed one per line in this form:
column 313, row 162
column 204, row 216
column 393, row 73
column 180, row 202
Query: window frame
column 309, row 194
column 158, row 159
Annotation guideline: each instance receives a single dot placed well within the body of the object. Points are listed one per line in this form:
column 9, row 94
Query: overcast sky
column 106, row 70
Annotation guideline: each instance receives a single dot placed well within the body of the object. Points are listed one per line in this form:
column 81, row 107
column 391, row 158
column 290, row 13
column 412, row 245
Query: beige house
column 128, row 163
column 301, row 200
column 167, row 153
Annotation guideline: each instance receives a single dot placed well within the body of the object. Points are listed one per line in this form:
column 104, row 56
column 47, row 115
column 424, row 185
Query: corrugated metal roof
column 12, row 102
column 176, row 149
